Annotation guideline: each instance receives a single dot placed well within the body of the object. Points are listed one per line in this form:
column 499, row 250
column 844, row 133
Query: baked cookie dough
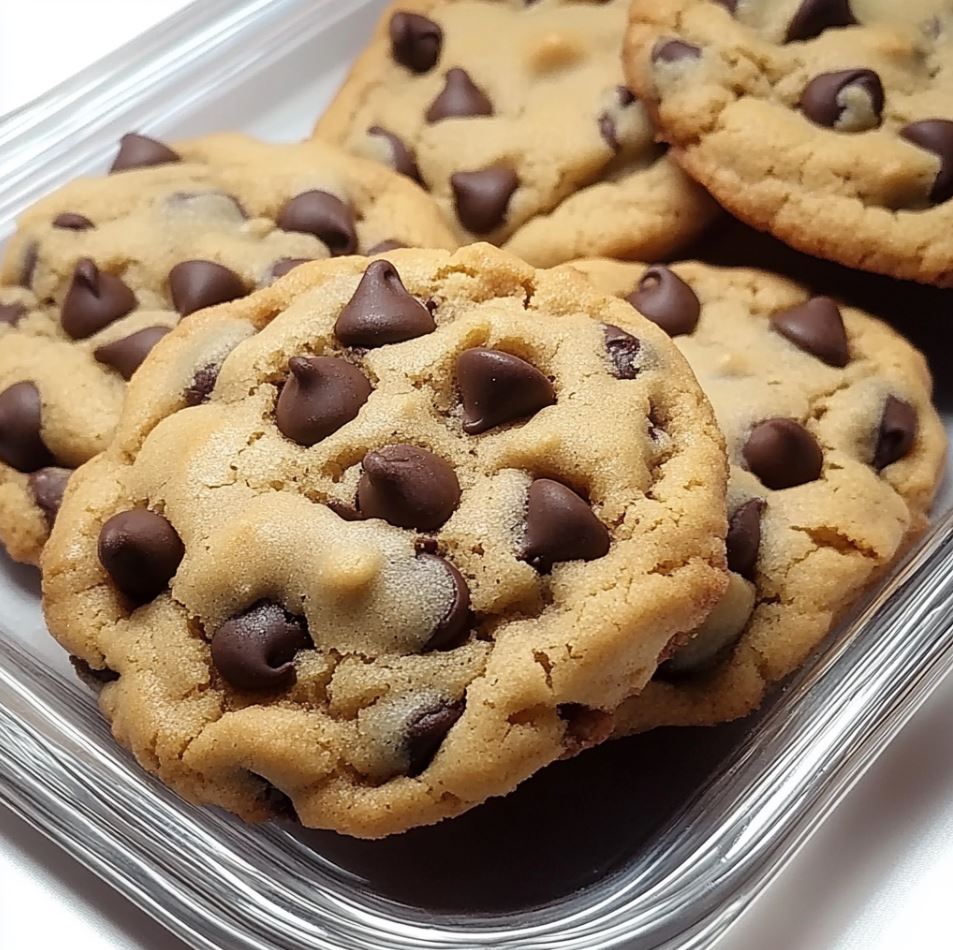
column 388, row 537
column 515, row 117
column 835, row 452
column 104, row 267
column 826, row 122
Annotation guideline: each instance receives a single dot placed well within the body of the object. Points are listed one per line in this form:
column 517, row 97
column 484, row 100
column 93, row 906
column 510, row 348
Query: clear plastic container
column 657, row 841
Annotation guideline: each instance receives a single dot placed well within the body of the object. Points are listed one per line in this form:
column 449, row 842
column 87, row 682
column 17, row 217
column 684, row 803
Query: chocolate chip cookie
column 99, row 271
column 387, row 537
column 515, row 117
column 826, row 122
column 835, row 452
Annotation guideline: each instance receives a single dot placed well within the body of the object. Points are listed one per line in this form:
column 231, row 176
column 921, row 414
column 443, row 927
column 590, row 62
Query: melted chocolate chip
column 898, row 432
column 21, row 439
column 823, row 100
column 482, row 198
column 12, row 313
column 816, row 327
column 744, row 538
column 283, row 266
column 255, row 650
column 935, row 135
column 381, row 311
column 126, row 355
column 383, row 247
column 402, row 158
column 674, row 51
column 195, row 285
column 141, row 552
column 459, row 98
column 71, row 221
column 47, row 486
column 426, row 730
column 498, row 387
column 328, row 218
column 203, row 382
column 139, row 151
column 453, row 626
column 322, row 394
column 415, row 41
column 93, row 300
column 813, row 17
column 623, row 349
column 560, row 526
column 607, row 126
column 408, row 487
column 783, row 454
column 667, row 300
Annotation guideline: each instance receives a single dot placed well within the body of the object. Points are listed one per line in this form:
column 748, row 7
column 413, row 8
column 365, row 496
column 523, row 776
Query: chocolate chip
column 560, row 526
column 255, row 650
column 482, row 198
column 935, row 135
column 898, row 431
column 139, row 151
column 825, row 99
column 71, row 221
column 94, row 678
column 283, row 266
column 21, row 439
column 674, row 51
column 203, row 382
column 623, row 349
column 47, row 486
column 141, row 552
column 28, row 265
column 453, row 626
column 813, row 17
column 459, row 98
column 407, row 487
column 783, row 454
column 415, row 41
column 607, row 126
column 381, row 311
column 402, row 158
column 498, row 388
column 383, row 247
column 744, row 537
column 816, row 327
column 12, row 313
column 667, row 300
column 425, row 732
column 328, row 218
column 322, row 394
column 126, row 355
column 195, row 285
column 93, row 300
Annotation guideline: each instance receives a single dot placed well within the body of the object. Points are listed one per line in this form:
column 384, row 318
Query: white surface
column 875, row 877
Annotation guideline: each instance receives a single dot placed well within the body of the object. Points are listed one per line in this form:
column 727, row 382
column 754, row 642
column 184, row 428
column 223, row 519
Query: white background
column 877, row 876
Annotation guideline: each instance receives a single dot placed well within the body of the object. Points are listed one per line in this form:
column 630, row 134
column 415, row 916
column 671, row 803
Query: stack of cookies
column 371, row 474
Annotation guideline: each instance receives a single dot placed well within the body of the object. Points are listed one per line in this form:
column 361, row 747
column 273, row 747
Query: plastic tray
column 657, row 841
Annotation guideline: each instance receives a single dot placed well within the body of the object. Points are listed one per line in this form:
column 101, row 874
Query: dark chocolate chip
column 459, row 98
column 381, row 311
column 813, row 17
column 426, row 730
column 744, row 537
column 408, row 487
column 498, row 388
column 674, row 51
column 402, row 158
column 126, row 355
column 203, row 382
column 28, row 265
column 667, row 300
column 326, row 217
column 783, row 454
column 283, row 266
column 560, row 526
column 383, row 247
column 344, row 510
column 415, row 41
column 12, row 313
column 935, row 135
column 607, row 126
column 195, row 285
column 47, row 486
column 141, row 552
column 822, row 101
column 322, row 394
column 898, row 432
column 482, row 198
column 21, row 439
column 816, row 327
column 452, row 629
column 71, row 221
column 93, row 300
column 623, row 349
column 139, row 151
column 94, row 678
column 255, row 650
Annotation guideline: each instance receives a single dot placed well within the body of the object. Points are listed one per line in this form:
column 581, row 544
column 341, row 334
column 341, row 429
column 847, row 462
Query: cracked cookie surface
column 516, row 118
column 835, row 452
column 428, row 523
column 826, row 122
column 101, row 269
